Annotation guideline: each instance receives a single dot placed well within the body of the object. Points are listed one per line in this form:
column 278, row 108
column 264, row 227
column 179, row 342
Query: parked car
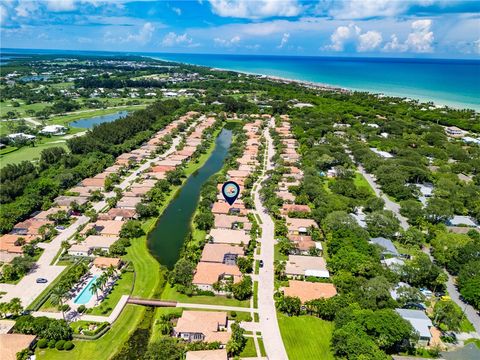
column 59, row 227
column 41, row 280
column 261, row 263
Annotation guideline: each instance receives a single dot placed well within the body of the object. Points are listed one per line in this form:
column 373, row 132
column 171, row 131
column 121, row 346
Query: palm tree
column 57, row 297
column 94, row 288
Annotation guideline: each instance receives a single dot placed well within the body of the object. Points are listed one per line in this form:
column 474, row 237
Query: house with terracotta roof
column 102, row 262
column 65, row 202
column 129, row 202
column 307, row 291
column 229, row 236
column 207, row 326
column 208, row 273
column 162, row 168
column 92, row 242
column 286, row 208
column 30, row 227
column 93, row 182
column 223, row 221
column 237, row 173
column 299, row 265
column 219, row 354
column 300, row 226
column 43, row 215
column 221, row 253
column 222, row 207
column 109, row 228
column 121, row 214
column 10, row 243
column 11, row 344
column 285, row 196
column 303, row 244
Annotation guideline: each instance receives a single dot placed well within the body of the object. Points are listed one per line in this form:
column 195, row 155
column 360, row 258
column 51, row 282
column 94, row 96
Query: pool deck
column 74, row 316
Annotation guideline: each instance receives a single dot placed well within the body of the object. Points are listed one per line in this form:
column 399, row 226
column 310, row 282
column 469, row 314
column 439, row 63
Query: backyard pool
column 85, row 295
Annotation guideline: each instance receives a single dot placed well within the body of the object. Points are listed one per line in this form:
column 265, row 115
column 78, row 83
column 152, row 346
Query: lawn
column 121, row 287
column 316, row 342
column 262, row 347
column 28, row 153
column 360, row 181
column 170, row 293
column 278, row 255
column 156, row 334
column 249, row 350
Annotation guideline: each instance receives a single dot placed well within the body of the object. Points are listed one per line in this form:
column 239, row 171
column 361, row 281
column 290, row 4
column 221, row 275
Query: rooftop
column 307, row 266
column 216, row 252
column 229, row 236
column 309, row 290
column 220, row 354
column 208, row 273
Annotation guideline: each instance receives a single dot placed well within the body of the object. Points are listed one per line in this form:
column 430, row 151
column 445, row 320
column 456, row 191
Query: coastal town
column 355, row 233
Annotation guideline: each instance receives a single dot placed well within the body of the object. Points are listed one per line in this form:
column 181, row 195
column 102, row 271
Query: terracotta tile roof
column 220, row 354
column 306, row 265
column 223, row 221
column 229, row 236
column 208, row 273
column 11, row 344
column 109, row 227
column 104, row 262
column 309, row 291
column 302, row 242
column 286, row 208
column 294, row 224
column 93, row 182
column 30, row 226
column 207, row 323
column 124, row 213
column 7, row 242
column 216, row 252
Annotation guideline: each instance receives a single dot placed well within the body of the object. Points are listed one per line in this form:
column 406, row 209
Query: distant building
column 459, row 220
column 21, row 136
column 419, row 321
column 454, row 131
column 54, row 130
column 387, row 246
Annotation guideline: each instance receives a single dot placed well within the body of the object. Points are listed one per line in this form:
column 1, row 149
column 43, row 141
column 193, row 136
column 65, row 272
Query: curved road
column 272, row 338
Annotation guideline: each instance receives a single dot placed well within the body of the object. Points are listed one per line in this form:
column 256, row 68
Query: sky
column 405, row 28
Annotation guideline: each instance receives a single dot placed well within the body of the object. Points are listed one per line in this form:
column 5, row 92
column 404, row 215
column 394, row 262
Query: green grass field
column 306, row 337
column 360, row 181
column 249, row 350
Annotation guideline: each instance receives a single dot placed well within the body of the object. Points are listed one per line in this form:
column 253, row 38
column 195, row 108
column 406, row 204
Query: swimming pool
column 85, row 295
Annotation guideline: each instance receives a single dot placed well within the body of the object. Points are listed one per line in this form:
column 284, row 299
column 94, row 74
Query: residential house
column 300, row 226
column 207, row 326
column 388, row 248
column 219, row 354
column 229, row 236
column 307, row 291
column 11, row 344
column 102, row 262
column 303, row 244
column 223, row 221
column 298, row 265
column 420, row 322
column 221, row 253
column 208, row 273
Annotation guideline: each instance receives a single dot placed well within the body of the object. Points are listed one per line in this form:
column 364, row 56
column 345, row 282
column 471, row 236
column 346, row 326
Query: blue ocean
column 455, row 83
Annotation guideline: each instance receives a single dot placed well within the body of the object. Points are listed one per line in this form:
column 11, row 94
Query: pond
column 88, row 123
column 167, row 238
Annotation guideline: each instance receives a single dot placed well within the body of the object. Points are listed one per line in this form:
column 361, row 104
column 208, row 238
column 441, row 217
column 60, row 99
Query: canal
column 167, row 238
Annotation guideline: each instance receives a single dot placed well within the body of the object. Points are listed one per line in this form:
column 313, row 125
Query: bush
column 81, row 308
column 51, row 344
column 68, row 345
column 60, row 344
column 42, row 343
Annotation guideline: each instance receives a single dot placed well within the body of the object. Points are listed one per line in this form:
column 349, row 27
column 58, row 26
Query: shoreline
column 329, row 87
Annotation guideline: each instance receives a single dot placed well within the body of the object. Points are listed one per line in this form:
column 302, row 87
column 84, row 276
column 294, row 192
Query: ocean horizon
column 451, row 82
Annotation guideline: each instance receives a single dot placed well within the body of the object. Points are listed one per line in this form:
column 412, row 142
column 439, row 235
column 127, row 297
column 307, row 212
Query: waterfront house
column 221, row 253
column 206, row 326
column 298, row 265
column 108, row 228
column 229, row 236
column 307, row 291
column 209, row 273
column 223, row 221
column 129, row 202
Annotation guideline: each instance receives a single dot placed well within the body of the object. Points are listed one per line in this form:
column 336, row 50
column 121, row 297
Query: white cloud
column 26, row 8
column 3, row 14
column 60, row 5
column 419, row 40
column 144, row 35
column 227, row 42
column 353, row 35
column 177, row 10
column 284, row 41
column 395, row 45
column 342, row 35
column 255, row 9
column 172, row 39
column 363, row 9
column 369, row 41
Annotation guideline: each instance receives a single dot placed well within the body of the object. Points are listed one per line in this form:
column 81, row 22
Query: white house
column 54, row 130
column 20, row 136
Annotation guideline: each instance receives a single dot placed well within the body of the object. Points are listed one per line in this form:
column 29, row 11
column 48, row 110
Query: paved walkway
column 74, row 316
column 215, row 307
column 268, row 324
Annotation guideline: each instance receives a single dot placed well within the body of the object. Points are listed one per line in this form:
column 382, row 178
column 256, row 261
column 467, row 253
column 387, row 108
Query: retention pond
column 165, row 241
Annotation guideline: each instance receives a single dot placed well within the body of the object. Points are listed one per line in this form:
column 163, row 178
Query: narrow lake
column 167, row 238
column 88, row 123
